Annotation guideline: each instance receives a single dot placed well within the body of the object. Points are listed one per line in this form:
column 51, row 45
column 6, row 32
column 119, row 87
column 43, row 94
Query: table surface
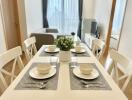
column 64, row 91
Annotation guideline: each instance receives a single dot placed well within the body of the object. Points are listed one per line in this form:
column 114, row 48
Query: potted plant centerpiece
column 65, row 44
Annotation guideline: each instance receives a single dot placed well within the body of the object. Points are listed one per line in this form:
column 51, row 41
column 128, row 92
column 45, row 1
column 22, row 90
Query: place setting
column 50, row 50
column 40, row 76
column 86, row 76
column 79, row 50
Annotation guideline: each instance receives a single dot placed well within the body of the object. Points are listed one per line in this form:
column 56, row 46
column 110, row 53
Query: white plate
column 94, row 74
column 56, row 50
column 82, row 51
column 34, row 73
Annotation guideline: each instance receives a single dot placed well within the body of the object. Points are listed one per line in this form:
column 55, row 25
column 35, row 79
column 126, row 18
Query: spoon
column 42, row 85
column 91, row 85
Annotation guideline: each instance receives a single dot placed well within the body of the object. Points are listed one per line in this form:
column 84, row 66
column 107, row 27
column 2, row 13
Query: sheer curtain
column 63, row 15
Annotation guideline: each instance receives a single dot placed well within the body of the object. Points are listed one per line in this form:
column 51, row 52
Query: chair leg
column 126, row 83
column 116, row 73
column 110, row 69
column 20, row 63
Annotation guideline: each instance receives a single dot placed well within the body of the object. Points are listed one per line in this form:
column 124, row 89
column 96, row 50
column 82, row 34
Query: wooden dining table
column 64, row 91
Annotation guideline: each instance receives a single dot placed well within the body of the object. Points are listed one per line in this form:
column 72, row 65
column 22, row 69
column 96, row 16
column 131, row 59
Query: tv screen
column 93, row 28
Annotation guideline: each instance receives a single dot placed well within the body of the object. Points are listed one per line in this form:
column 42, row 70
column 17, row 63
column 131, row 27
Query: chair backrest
column 97, row 47
column 123, row 64
column 29, row 47
column 51, row 30
column 119, row 60
column 43, row 39
column 5, row 58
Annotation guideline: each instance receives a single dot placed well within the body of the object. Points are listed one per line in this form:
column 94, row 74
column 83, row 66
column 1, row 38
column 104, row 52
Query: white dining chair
column 119, row 62
column 5, row 58
column 29, row 47
column 98, row 47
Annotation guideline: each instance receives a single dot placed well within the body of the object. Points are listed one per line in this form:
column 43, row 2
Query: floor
column 128, row 91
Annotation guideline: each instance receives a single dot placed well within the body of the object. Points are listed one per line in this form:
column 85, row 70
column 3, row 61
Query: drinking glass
column 53, row 61
column 78, row 43
column 74, row 62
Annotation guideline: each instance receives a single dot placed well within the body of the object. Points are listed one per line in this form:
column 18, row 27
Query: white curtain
column 63, row 15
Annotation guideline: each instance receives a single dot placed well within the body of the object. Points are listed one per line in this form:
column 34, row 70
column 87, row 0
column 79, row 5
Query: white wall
column 2, row 38
column 102, row 14
column 125, row 46
column 88, row 8
column 34, row 19
column 33, row 15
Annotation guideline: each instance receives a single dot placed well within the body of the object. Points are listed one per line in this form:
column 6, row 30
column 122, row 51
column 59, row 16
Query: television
column 93, row 27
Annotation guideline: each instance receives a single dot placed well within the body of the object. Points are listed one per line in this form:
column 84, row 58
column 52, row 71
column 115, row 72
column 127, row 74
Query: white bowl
column 52, row 48
column 43, row 68
column 86, row 69
column 78, row 48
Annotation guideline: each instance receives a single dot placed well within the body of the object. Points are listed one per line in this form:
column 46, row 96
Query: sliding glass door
column 63, row 15
column 118, row 18
column 117, row 23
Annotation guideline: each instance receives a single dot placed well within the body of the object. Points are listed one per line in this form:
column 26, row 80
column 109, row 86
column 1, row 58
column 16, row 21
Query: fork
column 36, row 82
column 86, row 82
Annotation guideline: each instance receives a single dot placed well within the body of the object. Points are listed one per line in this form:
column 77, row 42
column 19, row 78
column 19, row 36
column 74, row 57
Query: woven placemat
column 76, row 83
column 51, row 84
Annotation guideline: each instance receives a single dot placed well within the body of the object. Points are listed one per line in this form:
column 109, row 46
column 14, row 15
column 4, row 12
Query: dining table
column 65, row 85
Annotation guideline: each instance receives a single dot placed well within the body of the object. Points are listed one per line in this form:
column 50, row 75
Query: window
column 63, row 15
column 118, row 18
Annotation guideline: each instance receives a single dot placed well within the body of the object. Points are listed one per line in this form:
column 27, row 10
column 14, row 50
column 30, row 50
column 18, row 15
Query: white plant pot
column 64, row 56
